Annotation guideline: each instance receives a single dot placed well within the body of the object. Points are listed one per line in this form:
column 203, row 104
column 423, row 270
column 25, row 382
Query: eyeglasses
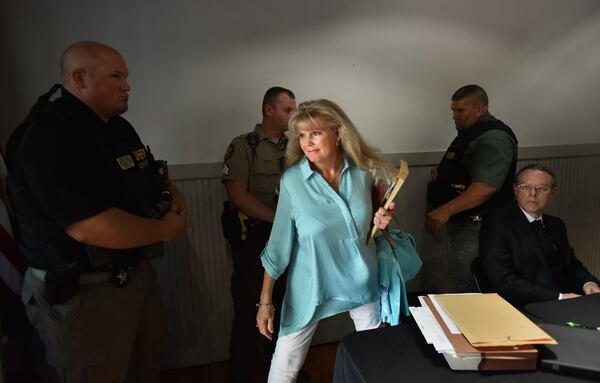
column 537, row 188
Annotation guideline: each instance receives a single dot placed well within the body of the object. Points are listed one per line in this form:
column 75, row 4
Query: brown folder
column 492, row 358
column 388, row 198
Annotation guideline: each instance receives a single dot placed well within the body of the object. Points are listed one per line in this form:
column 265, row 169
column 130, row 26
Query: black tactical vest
column 454, row 178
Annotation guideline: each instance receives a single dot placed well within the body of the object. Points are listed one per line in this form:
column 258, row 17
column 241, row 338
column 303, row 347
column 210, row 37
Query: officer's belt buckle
column 475, row 219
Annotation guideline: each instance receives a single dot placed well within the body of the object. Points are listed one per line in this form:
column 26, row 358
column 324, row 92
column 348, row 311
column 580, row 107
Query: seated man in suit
column 526, row 254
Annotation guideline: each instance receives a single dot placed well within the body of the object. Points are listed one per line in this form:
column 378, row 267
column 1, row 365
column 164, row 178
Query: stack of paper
column 430, row 329
column 499, row 337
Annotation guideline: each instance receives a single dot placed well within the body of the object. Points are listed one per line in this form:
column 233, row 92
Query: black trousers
column 248, row 349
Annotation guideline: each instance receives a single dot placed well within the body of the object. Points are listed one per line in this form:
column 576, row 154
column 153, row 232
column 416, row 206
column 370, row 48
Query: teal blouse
column 319, row 236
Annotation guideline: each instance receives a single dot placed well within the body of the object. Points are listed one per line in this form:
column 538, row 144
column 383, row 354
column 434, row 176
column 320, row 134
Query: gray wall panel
column 194, row 275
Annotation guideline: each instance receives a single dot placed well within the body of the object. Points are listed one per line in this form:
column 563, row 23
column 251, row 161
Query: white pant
column 291, row 349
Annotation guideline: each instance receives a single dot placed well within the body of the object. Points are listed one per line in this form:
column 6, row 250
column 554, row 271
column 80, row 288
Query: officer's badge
column 121, row 278
column 450, row 155
column 125, row 162
column 229, row 152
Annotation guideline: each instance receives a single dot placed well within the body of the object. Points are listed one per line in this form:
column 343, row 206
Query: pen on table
column 573, row 324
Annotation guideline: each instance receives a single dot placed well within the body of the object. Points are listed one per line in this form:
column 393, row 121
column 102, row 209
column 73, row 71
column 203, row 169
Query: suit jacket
column 514, row 261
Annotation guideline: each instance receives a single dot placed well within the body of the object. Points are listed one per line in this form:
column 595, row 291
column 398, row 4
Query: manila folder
column 488, row 320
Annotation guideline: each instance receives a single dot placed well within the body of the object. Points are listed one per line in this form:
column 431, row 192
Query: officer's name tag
column 125, row 162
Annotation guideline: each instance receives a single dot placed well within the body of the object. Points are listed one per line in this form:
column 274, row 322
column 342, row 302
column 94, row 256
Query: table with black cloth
column 584, row 310
column 401, row 354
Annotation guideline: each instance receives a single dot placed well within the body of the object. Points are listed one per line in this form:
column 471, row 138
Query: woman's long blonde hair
column 330, row 115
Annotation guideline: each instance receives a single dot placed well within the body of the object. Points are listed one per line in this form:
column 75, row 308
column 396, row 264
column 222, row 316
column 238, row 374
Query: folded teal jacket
column 396, row 267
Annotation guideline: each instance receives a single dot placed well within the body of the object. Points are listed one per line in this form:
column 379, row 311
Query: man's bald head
column 85, row 55
column 97, row 75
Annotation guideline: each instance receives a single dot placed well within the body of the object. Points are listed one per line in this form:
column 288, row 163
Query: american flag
column 11, row 267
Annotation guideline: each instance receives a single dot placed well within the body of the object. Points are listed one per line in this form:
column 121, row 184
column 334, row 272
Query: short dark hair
column 471, row 90
column 272, row 93
column 537, row 167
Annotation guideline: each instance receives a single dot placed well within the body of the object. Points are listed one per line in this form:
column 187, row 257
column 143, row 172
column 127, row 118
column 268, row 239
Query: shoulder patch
column 229, row 152
column 125, row 162
column 226, row 169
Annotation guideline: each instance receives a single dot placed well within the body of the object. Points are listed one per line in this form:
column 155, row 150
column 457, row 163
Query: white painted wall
column 199, row 68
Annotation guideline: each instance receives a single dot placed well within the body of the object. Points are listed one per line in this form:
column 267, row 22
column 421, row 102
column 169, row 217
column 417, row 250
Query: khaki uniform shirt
column 260, row 170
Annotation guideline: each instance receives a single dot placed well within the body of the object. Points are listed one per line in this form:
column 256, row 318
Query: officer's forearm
column 117, row 229
column 476, row 194
column 248, row 203
column 252, row 207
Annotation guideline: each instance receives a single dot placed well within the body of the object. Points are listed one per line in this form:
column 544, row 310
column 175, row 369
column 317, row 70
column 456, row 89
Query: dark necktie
column 550, row 250
column 538, row 226
column 546, row 241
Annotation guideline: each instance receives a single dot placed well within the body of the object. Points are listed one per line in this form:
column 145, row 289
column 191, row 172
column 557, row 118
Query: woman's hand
column 264, row 319
column 383, row 217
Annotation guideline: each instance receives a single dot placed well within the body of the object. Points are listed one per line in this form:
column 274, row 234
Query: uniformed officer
column 91, row 204
column 253, row 165
column 475, row 174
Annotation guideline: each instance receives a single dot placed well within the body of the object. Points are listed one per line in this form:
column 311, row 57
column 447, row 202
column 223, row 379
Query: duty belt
column 475, row 219
column 119, row 279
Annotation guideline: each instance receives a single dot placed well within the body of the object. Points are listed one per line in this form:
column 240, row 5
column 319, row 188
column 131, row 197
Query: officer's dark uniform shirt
column 71, row 165
column 261, row 170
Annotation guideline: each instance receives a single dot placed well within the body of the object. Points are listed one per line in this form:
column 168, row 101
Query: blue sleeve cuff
column 268, row 265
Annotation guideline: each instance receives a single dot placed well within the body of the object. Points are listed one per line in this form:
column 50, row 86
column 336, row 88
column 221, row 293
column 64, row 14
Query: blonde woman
column 323, row 215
